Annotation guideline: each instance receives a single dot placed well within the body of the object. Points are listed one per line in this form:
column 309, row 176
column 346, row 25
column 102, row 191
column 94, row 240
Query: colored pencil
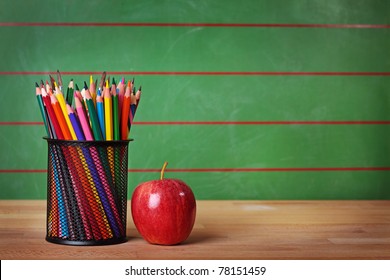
column 61, row 101
column 102, row 80
column 78, row 94
column 133, row 104
column 121, row 95
column 75, row 123
column 42, row 107
column 50, row 123
column 48, row 88
column 83, row 119
column 60, row 117
column 92, row 115
column 125, row 112
column 69, row 93
column 115, row 112
column 100, row 113
column 59, row 79
column 108, row 112
column 92, row 90
column 52, row 81
column 52, row 116
column 138, row 98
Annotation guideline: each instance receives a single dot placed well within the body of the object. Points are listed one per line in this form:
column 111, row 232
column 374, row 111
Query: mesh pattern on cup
column 87, row 192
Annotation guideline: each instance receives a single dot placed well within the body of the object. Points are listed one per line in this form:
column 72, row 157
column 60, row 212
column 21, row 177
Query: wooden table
column 223, row 230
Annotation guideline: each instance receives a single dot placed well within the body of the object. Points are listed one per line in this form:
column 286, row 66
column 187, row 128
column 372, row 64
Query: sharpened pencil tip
column 140, row 88
column 77, row 87
column 113, row 81
column 85, row 85
column 36, row 84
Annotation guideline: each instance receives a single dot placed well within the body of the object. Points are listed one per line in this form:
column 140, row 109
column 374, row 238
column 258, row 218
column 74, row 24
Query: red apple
column 163, row 210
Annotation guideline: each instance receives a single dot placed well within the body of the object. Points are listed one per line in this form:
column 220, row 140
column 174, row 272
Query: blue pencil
column 100, row 113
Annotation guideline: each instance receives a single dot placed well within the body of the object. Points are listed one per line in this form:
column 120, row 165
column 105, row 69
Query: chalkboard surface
column 267, row 100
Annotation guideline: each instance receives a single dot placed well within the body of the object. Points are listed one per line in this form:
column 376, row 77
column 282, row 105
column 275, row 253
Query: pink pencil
column 83, row 119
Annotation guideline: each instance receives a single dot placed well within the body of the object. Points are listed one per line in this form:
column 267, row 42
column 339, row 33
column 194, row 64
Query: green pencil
column 41, row 107
column 115, row 121
column 97, row 133
column 69, row 93
column 115, row 111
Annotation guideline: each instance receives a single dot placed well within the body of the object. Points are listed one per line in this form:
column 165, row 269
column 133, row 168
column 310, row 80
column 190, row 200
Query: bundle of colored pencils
column 101, row 113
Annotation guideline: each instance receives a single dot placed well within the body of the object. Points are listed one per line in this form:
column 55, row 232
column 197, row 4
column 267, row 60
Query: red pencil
column 52, row 116
column 125, row 112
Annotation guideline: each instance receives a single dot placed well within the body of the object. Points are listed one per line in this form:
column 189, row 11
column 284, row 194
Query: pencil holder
column 87, row 192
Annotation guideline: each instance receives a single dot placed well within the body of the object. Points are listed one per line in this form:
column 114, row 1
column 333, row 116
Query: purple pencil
column 75, row 123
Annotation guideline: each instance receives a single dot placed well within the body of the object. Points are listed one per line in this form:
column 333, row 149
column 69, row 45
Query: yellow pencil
column 108, row 112
column 61, row 100
column 92, row 90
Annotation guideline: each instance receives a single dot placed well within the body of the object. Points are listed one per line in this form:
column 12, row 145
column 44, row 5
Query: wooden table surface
column 268, row 230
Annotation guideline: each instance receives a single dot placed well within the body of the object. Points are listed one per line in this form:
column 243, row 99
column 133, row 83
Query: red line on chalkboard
column 265, row 169
column 258, row 122
column 189, row 24
column 21, row 123
column 23, row 170
column 232, row 123
column 253, row 169
column 201, row 73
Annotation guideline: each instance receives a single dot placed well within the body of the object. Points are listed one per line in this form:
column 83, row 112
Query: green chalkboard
column 267, row 100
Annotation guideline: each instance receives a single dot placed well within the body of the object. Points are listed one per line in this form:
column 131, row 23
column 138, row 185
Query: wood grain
column 223, row 230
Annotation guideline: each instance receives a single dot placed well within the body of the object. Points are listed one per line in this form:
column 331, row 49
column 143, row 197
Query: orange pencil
column 60, row 117
column 125, row 112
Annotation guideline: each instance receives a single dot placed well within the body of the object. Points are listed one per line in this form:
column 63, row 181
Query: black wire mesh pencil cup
column 87, row 192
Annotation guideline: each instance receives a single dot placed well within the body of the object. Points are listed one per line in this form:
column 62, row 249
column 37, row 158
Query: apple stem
column 163, row 170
